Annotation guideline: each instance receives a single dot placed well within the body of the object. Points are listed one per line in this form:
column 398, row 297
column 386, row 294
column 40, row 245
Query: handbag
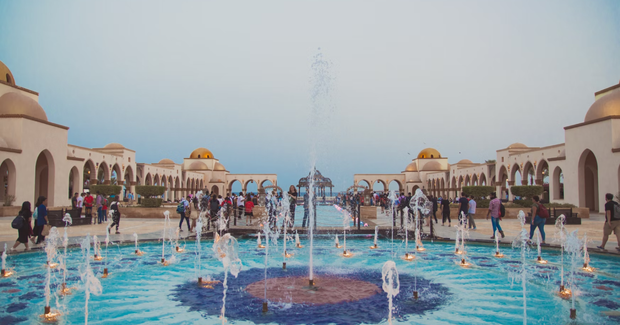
column 46, row 230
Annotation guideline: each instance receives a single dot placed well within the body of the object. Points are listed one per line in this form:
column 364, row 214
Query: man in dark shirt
column 435, row 207
column 445, row 212
column 612, row 221
column 463, row 208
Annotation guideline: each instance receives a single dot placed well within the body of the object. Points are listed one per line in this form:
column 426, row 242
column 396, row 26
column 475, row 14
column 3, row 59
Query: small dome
column 16, row 103
column 608, row 105
column 114, row 145
column 429, row 153
column 219, row 166
column 198, row 165
column 411, row 167
column 465, row 161
column 201, row 153
column 3, row 143
column 517, row 145
column 433, row 165
column 6, row 75
column 166, row 161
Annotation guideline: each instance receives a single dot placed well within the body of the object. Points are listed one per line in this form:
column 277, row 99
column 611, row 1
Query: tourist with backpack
column 181, row 208
column 22, row 224
column 41, row 219
column 612, row 220
column 116, row 214
column 539, row 217
column 495, row 211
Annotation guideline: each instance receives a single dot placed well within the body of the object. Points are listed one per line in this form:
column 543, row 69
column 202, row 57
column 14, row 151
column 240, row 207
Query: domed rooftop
column 219, row 166
column 411, row 167
column 166, row 161
column 16, row 103
column 607, row 105
column 429, row 153
column 6, row 75
column 433, row 165
column 464, row 161
column 114, row 145
column 198, row 165
column 517, row 145
column 201, row 153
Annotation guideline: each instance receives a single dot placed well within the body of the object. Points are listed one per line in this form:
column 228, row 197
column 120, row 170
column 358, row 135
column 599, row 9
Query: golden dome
column 433, row 165
column 16, row 103
column 607, row 105
column 114, row 145
column 411, row 167
column 198, row 165
column 6, row 75
column 517, row 145
column 219, row 166
column 166, row 161
column 429, row 153
column 465, row 161
column 201, row 153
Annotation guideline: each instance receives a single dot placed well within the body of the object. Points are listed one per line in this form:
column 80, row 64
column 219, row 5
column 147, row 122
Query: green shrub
column 478, row 191
column 148, row 202
column 150, row 190
column 106, row 190
column 482, row 203
column 527, row 191
column 523, row 203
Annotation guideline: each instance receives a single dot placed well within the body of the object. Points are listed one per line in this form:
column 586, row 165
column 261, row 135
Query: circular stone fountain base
column 341, row 296
column 327, row 290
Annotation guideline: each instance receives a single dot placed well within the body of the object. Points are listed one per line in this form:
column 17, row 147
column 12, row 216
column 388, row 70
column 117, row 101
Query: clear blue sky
column 166, row 77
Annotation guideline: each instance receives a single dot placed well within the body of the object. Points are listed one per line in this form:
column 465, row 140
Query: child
column 249, row 205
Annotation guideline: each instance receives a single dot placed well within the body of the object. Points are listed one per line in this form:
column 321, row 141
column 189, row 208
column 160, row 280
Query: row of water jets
column 225, row 249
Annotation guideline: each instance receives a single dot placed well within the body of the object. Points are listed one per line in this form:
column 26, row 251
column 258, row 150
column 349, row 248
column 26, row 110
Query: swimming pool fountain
column 374, row 246
column 539, row 259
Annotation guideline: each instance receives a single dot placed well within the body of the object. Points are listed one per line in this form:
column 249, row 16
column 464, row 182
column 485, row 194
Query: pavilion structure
column 320, row 184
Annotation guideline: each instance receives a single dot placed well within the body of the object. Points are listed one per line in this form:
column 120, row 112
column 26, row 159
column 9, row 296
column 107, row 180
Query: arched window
column 8, row 78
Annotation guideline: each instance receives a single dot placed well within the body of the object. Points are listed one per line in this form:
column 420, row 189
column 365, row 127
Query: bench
column 571, row 217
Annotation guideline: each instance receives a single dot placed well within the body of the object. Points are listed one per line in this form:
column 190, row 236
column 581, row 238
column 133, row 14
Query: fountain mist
column 391, row 284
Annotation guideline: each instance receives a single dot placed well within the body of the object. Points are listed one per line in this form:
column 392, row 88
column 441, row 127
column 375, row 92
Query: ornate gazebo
column 320, row 183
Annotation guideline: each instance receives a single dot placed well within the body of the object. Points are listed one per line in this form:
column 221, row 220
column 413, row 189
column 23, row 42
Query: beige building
column 579, row 171
column 36, row 159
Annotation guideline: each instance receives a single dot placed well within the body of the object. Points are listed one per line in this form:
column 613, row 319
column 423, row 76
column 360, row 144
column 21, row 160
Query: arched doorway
column 235, row 186
column 558, row 184
column 215, row 190
column 588, row 181
column 44, row 177
column 378, row 186
column 89, row 173
column 74, row 181
column 8, row 177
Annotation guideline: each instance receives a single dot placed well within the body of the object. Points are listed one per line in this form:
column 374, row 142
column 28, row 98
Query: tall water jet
column 51, row 252
column 135, row 238
column 539, row 259
column 92, row 285
column 420, row 206
column 561, row 231
column 375, row 246
column 522, row 241
column 5, row 272
column 259, row 242
column 285, row 208
column 407, row 257
column 107, row 242
column 163, row 236
column 320, row 95
column 392, row 198
column 573, row 247
column 337, row 243
column 65, row 242
column 497, row 252
column 198, row 265
column 391, row 284
column 297, row 241
column 267, row 232
column 96, row 249
column 226, row 251
column 586, row 255
column 346, row 221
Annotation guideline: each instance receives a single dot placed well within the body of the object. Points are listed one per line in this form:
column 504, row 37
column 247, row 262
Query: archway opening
column 44, row 177
column 378, row 186
column 215, row 190
column 251, row 187
column 588, row 181
column 395, row 186
column 558, row 184
column 74, row 181
column 235, row 186
column 7, row 174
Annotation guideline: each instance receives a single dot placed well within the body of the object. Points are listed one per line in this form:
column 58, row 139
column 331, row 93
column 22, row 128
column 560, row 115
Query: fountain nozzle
column 573, row 313
column 48, row 310
column 163, row 260
column 284, row 265
column 3, row 272
column 539, row 258
column 561, row 288
column 585, row 265
column 199, row 280
column 265, row 307
column 376, row 246
column 105, row 272
column 415, row 295
column 463, row 261
column 311, row 283
column 456, row 250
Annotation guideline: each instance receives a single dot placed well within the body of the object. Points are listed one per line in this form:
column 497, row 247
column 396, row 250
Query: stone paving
column 151, row 229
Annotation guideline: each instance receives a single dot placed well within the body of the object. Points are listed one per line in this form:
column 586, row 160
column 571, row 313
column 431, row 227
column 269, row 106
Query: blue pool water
column 140, row 290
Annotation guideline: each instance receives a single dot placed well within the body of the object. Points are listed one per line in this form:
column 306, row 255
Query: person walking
column 306, row 210
column 249, row 206
column 240, row 204
column 104, row 209
column 80, row 204
column 612, row 221
column 24, row 232
column 495, row 213
column 184, row 206
column 41, row 218
column 537, row 220
column 116, row 214
column 74, row 201
column 88, row 205
column 99, row 204
column 214, row 208
column 471, row 213
column 435, row 208
column 445, row 213
column 292, row 197
column 463, row 208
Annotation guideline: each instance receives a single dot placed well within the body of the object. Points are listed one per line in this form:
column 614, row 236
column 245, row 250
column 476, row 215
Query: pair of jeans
column 472, row 223
column 181, row 222
column 303, row 224
column 496, row 226
column 540, row 223
column 445, row 215
column 100, row 214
